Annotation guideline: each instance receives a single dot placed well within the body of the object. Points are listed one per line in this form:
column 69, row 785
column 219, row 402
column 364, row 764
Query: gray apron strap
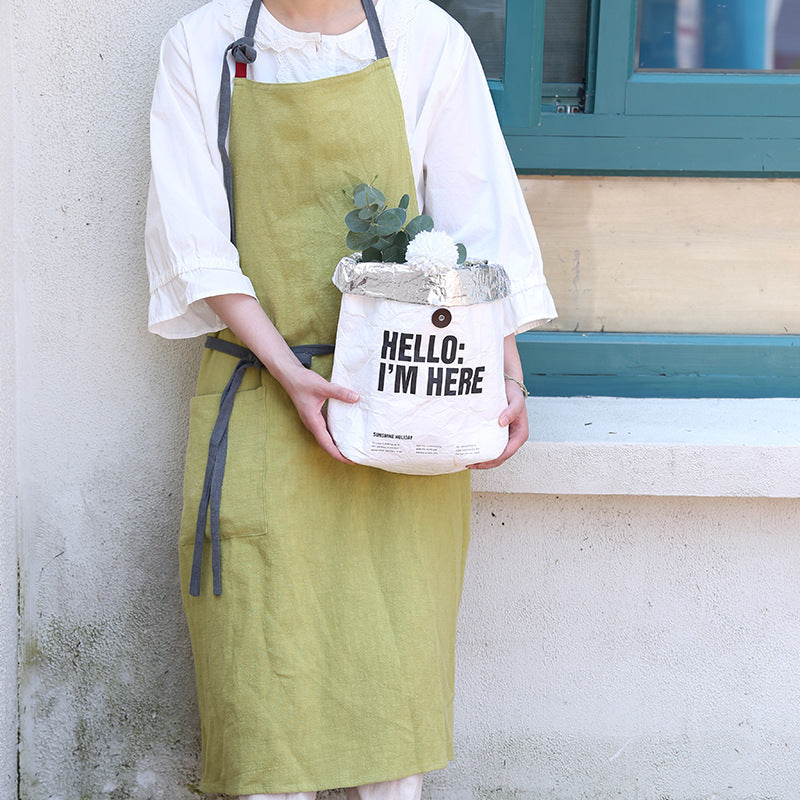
column 244, row 52
column 217, row 452
column 375, row 29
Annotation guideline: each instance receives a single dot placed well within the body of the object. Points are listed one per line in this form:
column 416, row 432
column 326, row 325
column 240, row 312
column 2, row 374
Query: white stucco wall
column 609, row 646
column 107, row 706
column 8, row 414
column 628, row 647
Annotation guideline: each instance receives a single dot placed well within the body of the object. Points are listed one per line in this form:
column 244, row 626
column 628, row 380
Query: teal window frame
column 732, row 124
column 517, row 97
column 646, row 123
column 677, row 365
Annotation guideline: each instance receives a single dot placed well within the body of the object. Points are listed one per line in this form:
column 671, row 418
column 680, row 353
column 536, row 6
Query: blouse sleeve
column 470, row 186
column 187, row 237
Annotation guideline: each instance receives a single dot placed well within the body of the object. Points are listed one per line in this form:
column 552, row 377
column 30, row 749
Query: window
column 648, row 87
column 644, row 86
column 737, row 35
column 485, row 22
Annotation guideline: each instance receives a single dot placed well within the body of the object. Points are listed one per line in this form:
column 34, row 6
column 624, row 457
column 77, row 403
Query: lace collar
column 395, row 17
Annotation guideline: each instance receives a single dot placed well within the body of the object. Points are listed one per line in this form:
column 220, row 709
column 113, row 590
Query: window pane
column 739, row 35
column 485, row 22
column 564, row 41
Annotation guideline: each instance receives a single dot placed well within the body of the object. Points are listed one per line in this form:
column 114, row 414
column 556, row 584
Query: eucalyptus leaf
column 358, row 241
column 355, row 222
column 396, row 255
column 401, row 239
column 377, row 230
column 372, row 254
column 360, row 195
column 394, row 215
column 374, row 196
column 421, row 223
column 462, row 253
column 390, row 221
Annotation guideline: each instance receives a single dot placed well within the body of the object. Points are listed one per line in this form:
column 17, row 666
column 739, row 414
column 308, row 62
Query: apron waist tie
column 218, row 449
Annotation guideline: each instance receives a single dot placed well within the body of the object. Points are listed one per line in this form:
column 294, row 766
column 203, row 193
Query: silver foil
column 468, row 283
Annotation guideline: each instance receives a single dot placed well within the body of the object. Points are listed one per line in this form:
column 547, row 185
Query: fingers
column 517, row 436
column 516, row 417
column 335, row 392
column 309, row 395
column 325, row 441
column 314, row 420
column 495, row 463
column 516, row 406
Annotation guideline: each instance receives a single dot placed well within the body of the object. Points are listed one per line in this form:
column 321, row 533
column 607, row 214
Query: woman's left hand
column 515, row 415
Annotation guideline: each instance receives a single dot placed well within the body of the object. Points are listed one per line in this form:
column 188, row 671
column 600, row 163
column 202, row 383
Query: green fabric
column 328, row 659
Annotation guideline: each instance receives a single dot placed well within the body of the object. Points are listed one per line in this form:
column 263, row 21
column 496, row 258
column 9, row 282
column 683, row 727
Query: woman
column 322, row 616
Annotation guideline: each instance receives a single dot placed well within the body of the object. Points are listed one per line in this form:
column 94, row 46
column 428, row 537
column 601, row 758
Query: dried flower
column 432, row 251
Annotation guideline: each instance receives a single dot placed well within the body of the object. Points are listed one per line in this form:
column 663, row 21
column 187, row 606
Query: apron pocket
column 242, row 507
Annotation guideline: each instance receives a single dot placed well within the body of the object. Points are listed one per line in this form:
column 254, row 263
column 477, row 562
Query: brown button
column 441, row 317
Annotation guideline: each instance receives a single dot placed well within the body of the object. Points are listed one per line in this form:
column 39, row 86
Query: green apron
column 327, row 659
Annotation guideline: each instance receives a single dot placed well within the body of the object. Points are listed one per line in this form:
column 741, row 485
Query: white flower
column 432, row 251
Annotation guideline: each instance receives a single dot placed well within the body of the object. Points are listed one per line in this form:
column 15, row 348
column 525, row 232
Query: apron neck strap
column 375, row 29
column 249, row 36
column 244, row 52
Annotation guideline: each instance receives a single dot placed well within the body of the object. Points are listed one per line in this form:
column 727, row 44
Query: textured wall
column 8, row 480
column 107, row 704
column 610, row 647
column 628, row 648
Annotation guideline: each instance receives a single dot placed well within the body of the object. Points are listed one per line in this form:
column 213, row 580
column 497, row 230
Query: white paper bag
column 430, row 382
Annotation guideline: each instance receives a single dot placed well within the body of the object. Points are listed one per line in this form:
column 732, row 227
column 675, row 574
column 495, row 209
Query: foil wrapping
column 464, row 285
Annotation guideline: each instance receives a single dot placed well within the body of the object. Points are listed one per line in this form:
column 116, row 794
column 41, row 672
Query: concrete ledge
column 657, row 447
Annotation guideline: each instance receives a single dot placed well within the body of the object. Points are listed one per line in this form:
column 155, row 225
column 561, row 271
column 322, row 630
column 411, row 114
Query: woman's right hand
column 309, row 392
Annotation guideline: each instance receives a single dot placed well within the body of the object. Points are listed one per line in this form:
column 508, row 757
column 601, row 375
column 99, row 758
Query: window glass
column 564, row 41
column 485, row 22
column 734, row 35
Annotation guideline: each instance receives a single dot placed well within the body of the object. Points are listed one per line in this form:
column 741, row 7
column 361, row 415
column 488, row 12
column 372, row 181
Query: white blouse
column 464, row 176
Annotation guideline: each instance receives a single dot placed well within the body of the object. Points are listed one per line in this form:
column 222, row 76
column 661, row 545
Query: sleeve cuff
column 528, row 307
column 178, row 309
